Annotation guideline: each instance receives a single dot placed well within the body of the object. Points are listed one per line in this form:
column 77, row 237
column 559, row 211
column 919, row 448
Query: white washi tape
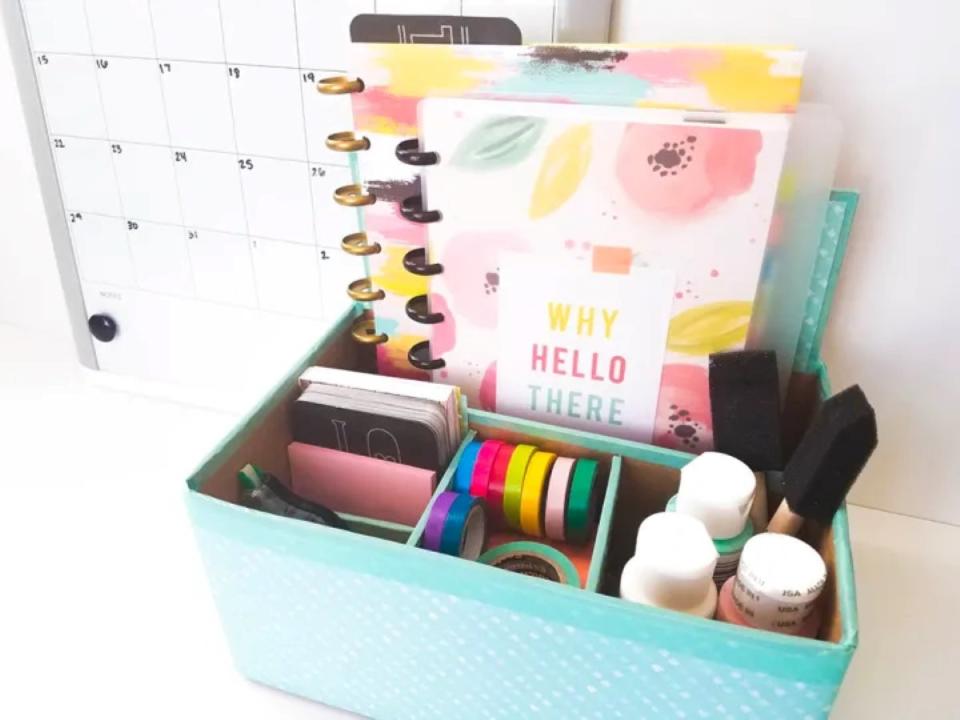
column 779, row 581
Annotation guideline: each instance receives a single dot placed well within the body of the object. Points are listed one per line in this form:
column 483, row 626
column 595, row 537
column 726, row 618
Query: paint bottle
column 777, row 587
column 673, row 566
column 718, row 490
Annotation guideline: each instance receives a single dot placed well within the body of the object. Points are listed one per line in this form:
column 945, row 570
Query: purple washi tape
column 433, row 532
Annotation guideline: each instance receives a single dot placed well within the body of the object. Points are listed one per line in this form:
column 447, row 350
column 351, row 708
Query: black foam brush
column 827, row 462
column 745, row 405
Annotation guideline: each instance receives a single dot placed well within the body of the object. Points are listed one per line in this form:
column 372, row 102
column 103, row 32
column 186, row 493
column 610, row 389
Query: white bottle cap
column 673, row 567
column 717, row 489
column 779, row 581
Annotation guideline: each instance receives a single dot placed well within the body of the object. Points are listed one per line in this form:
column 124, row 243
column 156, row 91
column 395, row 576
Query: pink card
column 360, row 485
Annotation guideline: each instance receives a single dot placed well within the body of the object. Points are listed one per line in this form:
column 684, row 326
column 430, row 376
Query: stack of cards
column 403, row 421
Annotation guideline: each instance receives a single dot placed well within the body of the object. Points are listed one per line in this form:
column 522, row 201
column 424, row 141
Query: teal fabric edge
column 378, row 526
column 843, row 559
column 247, row 423
column 812, row 661
column 602, row 541
column 806, row 361
column 607, row 616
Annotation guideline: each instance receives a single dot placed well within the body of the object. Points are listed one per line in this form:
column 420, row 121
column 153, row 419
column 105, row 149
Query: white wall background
column 893, row 72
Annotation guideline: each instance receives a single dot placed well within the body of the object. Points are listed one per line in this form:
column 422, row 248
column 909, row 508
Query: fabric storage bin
column 369, row 622
column 389, row 630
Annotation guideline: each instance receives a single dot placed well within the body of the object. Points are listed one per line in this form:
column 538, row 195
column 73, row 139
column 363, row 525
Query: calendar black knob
column 103, row 327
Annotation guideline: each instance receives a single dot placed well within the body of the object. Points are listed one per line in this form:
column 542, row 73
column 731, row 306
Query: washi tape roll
column 535, row 560
column 535, row 493
column 779, row 582
column 433, row 532
column 498, row 480
column 465, row 528
column 513, row 491
column 558, row 493
column 464, row 473
column 583, row 500
column 484, row 467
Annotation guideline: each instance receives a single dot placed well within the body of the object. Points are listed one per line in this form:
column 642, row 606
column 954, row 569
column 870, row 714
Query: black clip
column 419, row 357
column 408, row 152
column 418, row 311
column 412, row 210
column 415, row 262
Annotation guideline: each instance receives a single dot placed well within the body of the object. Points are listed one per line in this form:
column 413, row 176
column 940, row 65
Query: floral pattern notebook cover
column 397, row 77
column 593, row 257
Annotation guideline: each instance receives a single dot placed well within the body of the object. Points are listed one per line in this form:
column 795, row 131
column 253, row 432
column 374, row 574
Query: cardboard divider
column 645, row 489
column 265, row 440
column 266, row 435
column 442, row 486
column 609, row 472
column 634, row 488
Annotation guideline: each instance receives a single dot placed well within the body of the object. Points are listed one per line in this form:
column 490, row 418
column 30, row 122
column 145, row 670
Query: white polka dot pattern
column 821, row 284
column 386, row 649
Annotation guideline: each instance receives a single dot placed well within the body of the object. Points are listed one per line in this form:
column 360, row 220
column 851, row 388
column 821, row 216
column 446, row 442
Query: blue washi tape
column 464, row 474
column 465, row 528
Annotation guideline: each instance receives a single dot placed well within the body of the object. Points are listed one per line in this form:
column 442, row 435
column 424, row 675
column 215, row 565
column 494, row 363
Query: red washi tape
column 483, row 468
column 498, row 481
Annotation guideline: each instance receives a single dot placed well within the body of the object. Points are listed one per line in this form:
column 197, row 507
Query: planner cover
column 593, row 257
column 395, row 78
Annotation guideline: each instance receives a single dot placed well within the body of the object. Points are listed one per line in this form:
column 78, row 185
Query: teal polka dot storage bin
column 369, row 622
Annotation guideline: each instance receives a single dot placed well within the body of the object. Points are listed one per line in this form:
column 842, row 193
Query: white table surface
column 105, row 611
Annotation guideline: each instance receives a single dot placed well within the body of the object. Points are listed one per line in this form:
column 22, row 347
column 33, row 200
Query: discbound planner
column 389, row 106
column 593, row 257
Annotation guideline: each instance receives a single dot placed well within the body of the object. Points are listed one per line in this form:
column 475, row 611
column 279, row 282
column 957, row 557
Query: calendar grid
column 171, row 236
column 149, row 108
column 165, row 58
column 194, row 148
column 198, row 228
column 103, row 111
column 176, row 180
column 306, row 141
column 236, row 148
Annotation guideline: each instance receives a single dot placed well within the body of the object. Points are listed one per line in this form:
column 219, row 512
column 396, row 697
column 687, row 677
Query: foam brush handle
column 785, row 521
column 759, row 509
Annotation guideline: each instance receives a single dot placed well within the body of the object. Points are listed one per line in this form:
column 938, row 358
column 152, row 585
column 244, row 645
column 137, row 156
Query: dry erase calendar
column 181, row 150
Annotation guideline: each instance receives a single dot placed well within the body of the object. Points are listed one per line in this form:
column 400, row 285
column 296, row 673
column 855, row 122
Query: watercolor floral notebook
column 396, row 78
column 593, row 257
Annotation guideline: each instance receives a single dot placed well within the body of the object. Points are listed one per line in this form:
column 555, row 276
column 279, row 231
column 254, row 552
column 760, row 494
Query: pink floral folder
column 643, row 233
column 398, row 77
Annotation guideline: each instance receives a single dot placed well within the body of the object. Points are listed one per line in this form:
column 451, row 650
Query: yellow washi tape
column 535, row 493
column 513, row 489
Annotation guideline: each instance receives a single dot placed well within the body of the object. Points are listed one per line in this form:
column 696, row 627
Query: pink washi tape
column 484, row 468
column 557, row 493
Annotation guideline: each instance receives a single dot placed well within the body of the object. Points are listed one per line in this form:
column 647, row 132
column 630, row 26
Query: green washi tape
column 582, row 502
column 533, row 559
